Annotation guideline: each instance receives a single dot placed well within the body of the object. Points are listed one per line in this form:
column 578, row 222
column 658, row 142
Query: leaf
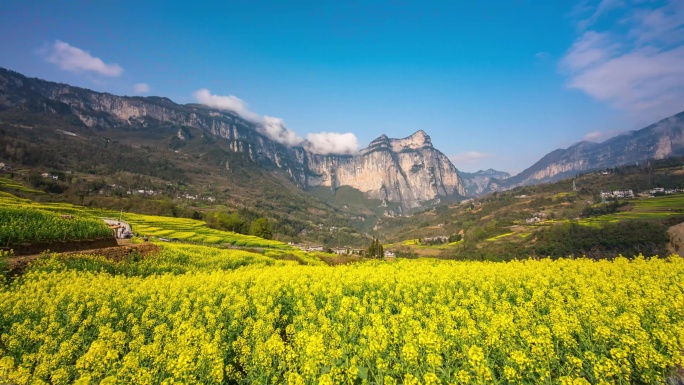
column 362, row 372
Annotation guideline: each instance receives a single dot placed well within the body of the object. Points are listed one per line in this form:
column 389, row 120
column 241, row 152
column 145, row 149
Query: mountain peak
column 417, row 140
column 419, row 134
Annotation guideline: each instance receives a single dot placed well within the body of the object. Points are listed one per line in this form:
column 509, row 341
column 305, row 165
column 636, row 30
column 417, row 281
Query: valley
column 342, row 193
column 514, row 224
column 258, row 257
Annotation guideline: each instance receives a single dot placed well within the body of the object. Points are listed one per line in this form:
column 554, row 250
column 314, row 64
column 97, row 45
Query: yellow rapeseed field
column 405, row 322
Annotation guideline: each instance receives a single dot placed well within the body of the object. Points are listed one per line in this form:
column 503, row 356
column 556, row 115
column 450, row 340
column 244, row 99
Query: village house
column 389, row 254
column 532, row 220
column 341, row 250
column 300, row 246
column 624, row 193
column 442, row 238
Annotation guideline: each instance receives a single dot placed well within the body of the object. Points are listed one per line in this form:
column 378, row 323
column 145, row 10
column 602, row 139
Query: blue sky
column 494, row 83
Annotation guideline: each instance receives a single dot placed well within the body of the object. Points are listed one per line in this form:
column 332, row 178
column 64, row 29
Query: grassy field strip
column 496, row 238
column 181, row 228
column 7, row 183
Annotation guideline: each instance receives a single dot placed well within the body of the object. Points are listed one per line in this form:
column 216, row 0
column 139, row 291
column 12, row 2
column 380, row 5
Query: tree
column 227, row 221
column 261, row 228
column 375, row 249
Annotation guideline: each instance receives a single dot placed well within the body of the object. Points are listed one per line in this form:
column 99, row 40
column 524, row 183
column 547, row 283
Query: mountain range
column 402, row 174
column 408, row 171
column 660, row 140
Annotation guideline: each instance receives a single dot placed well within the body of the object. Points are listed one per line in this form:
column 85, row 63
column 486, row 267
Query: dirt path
column 17, row 265
column 676, row 234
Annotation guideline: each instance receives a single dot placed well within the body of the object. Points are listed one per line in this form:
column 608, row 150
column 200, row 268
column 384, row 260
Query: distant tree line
column 607, row 208
column 628, row 238
column 233, row 221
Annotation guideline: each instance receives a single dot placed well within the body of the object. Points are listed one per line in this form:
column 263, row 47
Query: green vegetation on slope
column 27, row 224
column 185, row 229
column 182, row 178
column 517, row 223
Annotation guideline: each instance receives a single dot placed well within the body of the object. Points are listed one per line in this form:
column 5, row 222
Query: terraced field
column 191, row 230
column 644, row 208
column 183, row 229
column 9, row 184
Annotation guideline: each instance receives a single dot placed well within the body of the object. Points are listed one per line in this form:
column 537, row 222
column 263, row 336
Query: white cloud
column 600, row 136
column 333, row 143
column 230, row 102
column 469, row 157
column 590, row 49
column 275, row 128
column 141, row 88
column 593, row 136
column 637, row 64
column 601, row 9
column 70, row 58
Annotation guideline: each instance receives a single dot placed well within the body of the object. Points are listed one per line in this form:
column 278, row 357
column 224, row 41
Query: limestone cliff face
column 476, row 183
column 657, row 141
column 407, row 171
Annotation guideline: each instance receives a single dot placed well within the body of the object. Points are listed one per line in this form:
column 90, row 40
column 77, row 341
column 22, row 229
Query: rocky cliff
column 407, row 171
column 475, row 183
column 660, row 140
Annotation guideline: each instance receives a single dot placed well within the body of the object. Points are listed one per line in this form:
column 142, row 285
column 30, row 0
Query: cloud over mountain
column 141, row 88
column 600, row 136
column 333, row 143
column 275, row 128
column 74, row 59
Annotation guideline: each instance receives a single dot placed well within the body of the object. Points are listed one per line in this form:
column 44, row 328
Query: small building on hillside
column 315, row 248
column 300, row 246
column 623, row 193
column 390, row 254
column 341, row 250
